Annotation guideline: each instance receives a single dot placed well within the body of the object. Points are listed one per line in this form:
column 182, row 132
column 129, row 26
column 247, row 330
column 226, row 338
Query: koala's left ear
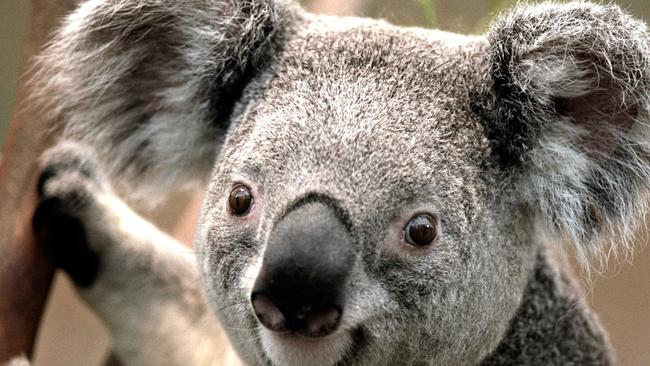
column 151, row 85
column 567, row 115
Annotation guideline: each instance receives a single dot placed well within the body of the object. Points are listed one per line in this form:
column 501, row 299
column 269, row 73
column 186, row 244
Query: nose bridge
column 311, row 247
column 305, row 267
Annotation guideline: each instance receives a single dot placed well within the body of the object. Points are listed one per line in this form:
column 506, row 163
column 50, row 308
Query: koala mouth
column 289, row 349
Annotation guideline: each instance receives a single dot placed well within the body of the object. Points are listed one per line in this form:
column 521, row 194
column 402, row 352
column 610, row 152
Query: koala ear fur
column 151, row 84
column 567, row 117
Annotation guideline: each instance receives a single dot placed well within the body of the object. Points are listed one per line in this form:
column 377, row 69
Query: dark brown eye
column 240, row 200
column 421, row 230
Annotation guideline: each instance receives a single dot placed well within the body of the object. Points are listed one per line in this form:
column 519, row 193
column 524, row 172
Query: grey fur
column 120, row 72
column 537, row 131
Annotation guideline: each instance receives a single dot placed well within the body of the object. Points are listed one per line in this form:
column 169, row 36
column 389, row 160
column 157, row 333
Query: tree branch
column 25, row 274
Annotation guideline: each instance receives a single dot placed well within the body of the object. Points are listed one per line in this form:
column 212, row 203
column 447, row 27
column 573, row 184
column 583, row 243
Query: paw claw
column 46, row 174
column 69, row 170
column 67, row 187
column 67, row 158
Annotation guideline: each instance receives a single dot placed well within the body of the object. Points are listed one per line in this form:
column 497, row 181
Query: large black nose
column 301, row 285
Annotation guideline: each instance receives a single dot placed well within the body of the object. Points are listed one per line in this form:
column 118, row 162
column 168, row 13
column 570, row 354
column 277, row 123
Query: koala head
column 376, row 194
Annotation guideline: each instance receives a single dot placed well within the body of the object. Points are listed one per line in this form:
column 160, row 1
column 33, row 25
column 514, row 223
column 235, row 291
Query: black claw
column 46, row 174
column 64, row 239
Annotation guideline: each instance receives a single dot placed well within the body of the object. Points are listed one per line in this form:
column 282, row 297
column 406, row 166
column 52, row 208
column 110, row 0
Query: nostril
column 310, row 323
column 267, row 313
column 322, row 322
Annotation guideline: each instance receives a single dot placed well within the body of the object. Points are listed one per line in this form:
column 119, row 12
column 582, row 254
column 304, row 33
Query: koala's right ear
column 151, row 85
column 568, row 116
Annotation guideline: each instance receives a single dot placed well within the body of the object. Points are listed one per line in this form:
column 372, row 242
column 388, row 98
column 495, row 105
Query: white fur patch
column 251, row 273
column 296, row 351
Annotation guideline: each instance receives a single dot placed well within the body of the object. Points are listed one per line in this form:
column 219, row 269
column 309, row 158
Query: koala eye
column 240, row 200
column 421, row 230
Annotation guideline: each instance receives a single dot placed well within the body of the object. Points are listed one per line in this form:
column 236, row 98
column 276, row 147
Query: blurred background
column 72, row 336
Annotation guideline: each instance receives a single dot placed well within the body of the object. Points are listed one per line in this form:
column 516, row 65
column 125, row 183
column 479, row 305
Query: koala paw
column 67, row 186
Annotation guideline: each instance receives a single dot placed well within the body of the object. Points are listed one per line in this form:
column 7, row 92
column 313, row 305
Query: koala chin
column 289, row 350
column 375, row 195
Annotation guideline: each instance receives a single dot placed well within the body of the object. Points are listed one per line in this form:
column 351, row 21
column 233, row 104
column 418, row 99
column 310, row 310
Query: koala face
column 333, row 148
column 377, row 195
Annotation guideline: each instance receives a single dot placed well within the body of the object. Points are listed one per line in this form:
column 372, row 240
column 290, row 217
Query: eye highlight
column 421, row 230
column 240, row 200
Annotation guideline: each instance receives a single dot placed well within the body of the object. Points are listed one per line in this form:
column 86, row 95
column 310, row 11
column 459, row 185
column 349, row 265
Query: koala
column 375, row 195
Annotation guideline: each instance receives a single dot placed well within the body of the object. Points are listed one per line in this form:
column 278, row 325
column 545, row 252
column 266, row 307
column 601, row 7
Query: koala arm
column 143, row 284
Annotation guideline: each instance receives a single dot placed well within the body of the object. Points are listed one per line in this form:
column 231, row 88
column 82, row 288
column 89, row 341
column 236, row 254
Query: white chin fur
column 285, row 350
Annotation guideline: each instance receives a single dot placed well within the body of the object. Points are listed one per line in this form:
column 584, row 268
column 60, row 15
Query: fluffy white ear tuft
column 567, row 116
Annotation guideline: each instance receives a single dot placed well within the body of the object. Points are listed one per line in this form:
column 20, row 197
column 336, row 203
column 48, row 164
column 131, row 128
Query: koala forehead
column 350, row 109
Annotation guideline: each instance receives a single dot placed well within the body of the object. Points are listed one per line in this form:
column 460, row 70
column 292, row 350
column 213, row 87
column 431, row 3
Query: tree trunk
column 25, row 274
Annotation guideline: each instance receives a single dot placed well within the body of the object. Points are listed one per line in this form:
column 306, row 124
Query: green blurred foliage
column 493, row 7
column 429, row 12
column 13, row 27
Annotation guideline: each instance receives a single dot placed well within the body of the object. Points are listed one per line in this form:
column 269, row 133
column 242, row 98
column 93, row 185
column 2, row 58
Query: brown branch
column 25, row 274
